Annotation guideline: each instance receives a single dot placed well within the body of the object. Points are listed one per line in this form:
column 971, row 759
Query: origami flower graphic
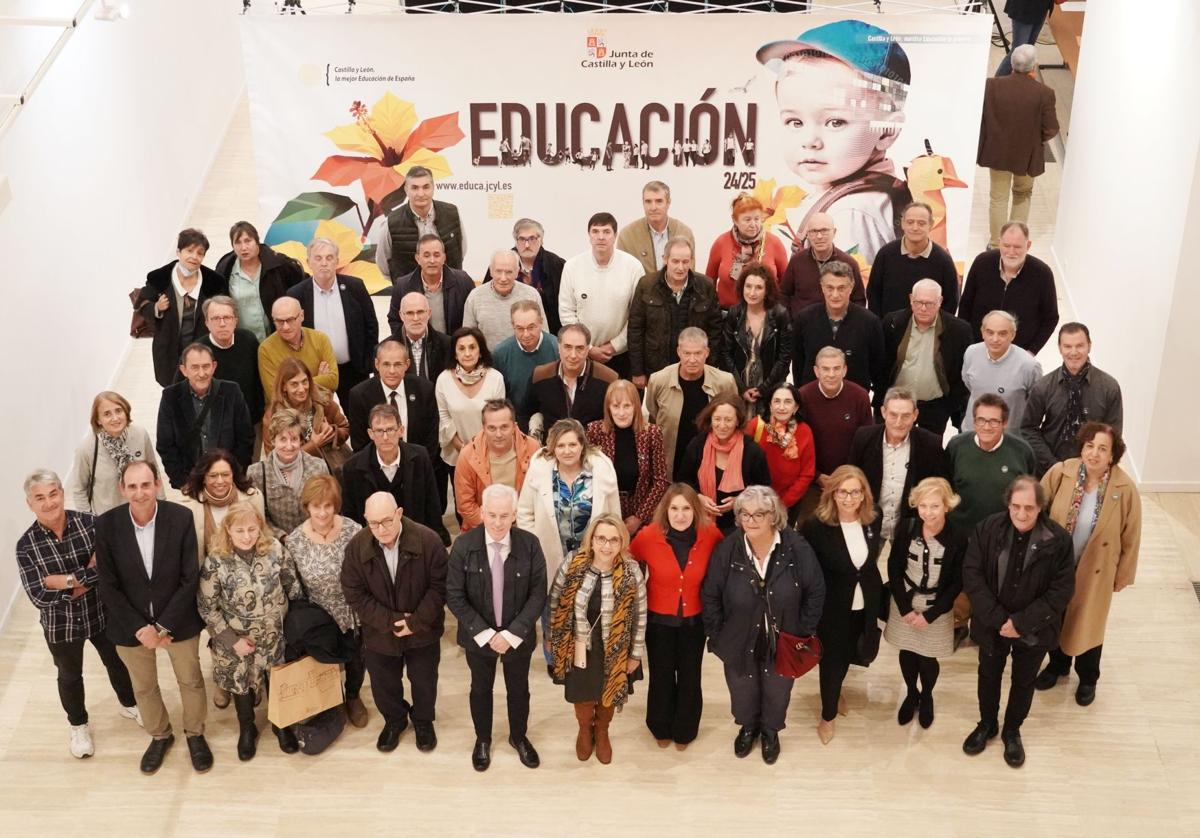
column 353, row 258
column 393, row 142
column 777, row 203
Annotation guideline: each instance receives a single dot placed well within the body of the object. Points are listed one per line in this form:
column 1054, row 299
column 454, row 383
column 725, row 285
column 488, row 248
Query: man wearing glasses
column 538, row 268
column 801, row 282
column 292, row 339
column 235, row 351
column 900, row 263
column 394, row 577
column 923, row 349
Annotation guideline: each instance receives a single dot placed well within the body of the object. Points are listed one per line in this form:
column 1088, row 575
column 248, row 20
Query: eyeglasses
column 221, row 318
column 925, row 303
column 849, row 493
column 989, row 423
column 820, row 231
column 606, row 541
column 381, row 523
column 528, row 239
column 283, row 321
column 385, row 432
column 757, row 517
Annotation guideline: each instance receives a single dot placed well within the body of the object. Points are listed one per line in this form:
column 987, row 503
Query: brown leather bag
column 140, row 326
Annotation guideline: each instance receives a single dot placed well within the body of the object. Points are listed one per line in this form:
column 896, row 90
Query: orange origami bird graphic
column 927, row 176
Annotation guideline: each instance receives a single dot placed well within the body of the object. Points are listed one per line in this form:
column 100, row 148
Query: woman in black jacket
column 757, row 347
column 761, row 579
column 721, row 461
column 925, row 576
column 847, row 542
column 173, row 300
column 258, row 265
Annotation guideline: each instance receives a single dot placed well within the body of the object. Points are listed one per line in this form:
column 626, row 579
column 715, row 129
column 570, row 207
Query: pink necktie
column 497, row 583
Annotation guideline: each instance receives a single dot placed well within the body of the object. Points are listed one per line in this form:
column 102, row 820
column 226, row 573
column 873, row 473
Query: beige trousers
column 142, row 664
column 1004, row 184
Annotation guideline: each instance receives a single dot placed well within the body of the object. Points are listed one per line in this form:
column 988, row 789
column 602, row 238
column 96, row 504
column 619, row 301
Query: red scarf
column 731, row 480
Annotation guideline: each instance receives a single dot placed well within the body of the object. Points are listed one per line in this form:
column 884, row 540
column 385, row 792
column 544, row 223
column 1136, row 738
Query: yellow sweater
column 314, row 349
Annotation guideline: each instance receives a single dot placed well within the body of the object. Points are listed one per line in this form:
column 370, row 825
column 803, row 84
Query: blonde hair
column 827, row 511
column 626, row 388
column 115, row 398
column 568, row 426
column 222, row 544
column 613, row 521
column 281, row 420
column 934, row 486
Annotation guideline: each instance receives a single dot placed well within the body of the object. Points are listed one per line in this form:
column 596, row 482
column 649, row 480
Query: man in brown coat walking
column 1018, row 117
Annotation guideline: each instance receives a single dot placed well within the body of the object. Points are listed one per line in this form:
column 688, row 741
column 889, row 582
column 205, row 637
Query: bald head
column 820, row 232
column 288, row 318
column 414, row 314
column 383, row 517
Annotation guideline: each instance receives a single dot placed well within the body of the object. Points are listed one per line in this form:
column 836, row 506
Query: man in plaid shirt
column 58, row 571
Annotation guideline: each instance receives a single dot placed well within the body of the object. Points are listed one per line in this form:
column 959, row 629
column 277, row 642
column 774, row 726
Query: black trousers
column 348, row 376
column 1025, row 664
column 68, row 659
column 933, row 416
column 759, row 699
column 835, row 663
column 619, row 364
column 515, row 664
column 674, row 700
column 355, row 665
column 387, row 682
column 1087, row 665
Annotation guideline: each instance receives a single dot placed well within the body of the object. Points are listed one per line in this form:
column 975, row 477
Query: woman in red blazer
column 674, row 548
column 787, row 441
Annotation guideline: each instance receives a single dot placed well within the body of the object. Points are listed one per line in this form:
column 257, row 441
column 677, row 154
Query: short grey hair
column 762, row 496
column 525, row 224
column 679, row 241
column 901, row 393
column 526, row 305
column 501, row 254
column 657, row 186
column 1024, row 58
column 40, row 477
column 498, row 490
column 577, row 327
column 218, row 300
column 830, row 352
column 322, row 241
column 999, row 312
column 927, row 284
column 693, row 334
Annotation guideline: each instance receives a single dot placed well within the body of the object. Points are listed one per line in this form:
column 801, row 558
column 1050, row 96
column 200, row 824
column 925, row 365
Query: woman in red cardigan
column 744, row 243
column 787, row 441
column 674, row 549
column 636, row 450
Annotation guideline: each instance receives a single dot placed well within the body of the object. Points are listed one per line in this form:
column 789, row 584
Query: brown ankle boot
column 585, row 714
column 603, row 744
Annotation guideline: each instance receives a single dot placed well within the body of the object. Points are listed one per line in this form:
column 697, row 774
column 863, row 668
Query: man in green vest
column 397, row 235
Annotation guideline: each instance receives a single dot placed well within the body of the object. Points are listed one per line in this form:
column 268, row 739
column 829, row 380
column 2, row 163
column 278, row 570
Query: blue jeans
column 1022, row 33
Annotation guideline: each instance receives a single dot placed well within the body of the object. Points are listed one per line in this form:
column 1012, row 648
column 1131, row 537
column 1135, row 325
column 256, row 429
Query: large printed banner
column 555, row 117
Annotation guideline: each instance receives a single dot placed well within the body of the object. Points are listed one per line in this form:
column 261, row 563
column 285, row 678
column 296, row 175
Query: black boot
column 287, row 739
column 247, row 743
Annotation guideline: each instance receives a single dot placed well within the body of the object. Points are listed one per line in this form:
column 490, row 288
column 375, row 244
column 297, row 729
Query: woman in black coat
column 737, row 590
column 757, row 348
column 847, row 543
column 178, row 318
column 276, row 273
column 721, row 461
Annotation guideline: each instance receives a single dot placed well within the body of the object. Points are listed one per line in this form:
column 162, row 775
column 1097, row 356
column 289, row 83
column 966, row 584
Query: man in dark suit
column 1019, row 573
column 896, row 456
column 388, row 464
column 572, row 387
column 201, row 413
column 923, row 349
column 538, row 268
column 496, row 589
column 413, row 399
column 842, row 324
column 428, row 349
column 1018, row 118
column 437, row 283
column 340, row 307
column 148, row 576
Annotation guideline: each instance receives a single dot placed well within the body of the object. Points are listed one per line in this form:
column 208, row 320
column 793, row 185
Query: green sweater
column 516, row 365
column 980, row 477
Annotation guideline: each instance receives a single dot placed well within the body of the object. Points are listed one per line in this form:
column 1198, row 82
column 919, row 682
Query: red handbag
column 794, row 656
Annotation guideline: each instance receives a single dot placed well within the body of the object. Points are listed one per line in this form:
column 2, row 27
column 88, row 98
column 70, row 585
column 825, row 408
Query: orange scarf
column 731, row 480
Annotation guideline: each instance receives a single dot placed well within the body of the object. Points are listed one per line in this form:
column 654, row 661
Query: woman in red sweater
column 674, row 548
column 787, row 441
column 744, row 243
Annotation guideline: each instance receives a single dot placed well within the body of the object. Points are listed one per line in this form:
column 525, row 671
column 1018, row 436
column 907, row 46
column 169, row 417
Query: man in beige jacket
column 646, row 239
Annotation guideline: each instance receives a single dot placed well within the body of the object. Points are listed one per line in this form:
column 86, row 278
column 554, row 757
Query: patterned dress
column 572, row 509
column 320, row 569
column 246, row 596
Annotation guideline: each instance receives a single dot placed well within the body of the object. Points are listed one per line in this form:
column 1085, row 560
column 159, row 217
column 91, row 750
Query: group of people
column 634, row 480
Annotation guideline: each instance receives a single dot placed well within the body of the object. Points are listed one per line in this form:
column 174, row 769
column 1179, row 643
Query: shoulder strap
column 262, row 464
column 92, row 476
column 759, row 429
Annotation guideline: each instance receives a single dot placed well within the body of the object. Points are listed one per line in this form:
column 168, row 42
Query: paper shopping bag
column 303, row 688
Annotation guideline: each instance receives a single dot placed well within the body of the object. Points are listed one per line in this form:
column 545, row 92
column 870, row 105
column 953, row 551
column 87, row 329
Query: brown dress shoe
column 356, row 712
column 585, row 714
column 604, row 715
column 663, row 743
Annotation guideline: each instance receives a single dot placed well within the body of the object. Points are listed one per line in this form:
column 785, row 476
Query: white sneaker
column 131, row 713
column 81, row 741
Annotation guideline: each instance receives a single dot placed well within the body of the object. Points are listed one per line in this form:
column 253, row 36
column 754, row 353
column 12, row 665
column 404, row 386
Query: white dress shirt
column 891, row 488
column 856, row 546
column 145, row 539
column 485, row 637
column 391, row 555
column 401, row 405
column 329, row 317
column 389, row 469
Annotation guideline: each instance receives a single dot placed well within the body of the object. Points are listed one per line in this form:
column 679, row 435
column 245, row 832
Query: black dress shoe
column 286, row 738
column 925, row 713
column 744, row 742
column 1085, row 694
column 770, row 746
column 152, row 760
column 426, row 738
column 978, row 739
column 524, row 748
column 1014, row 751
column 1048, row 678
column 199, row 752
column 389, row 737
column 481, row 757
column 908, row 708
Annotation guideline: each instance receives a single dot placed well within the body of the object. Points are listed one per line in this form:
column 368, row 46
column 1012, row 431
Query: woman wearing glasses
column 847, row 545
column 597, row 630
column 761, row 580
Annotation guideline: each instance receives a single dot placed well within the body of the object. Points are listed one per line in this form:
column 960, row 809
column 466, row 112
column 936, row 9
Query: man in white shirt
column 597, row 288
column 496, row 589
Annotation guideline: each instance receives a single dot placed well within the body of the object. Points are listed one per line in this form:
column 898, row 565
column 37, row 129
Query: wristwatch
column 70, row 581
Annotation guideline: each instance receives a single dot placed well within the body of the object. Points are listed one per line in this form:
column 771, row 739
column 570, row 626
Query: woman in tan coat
column 1099, row 505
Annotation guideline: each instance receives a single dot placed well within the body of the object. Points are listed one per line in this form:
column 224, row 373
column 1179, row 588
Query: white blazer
column 535, row 510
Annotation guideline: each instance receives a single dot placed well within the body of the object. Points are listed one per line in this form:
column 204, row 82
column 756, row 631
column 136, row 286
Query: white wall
column 1128, row 209
column 104, row 163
